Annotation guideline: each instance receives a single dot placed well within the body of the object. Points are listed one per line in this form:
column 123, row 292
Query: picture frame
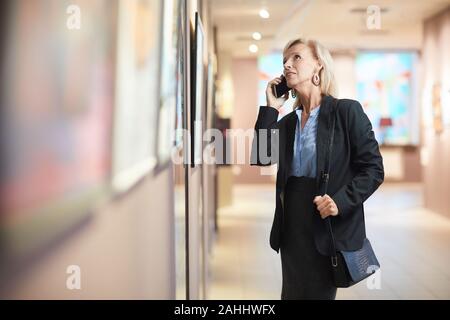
column 386, row 82
column 198, row 82
column 56, row 154
column 211, row 90
column 436, row 104
column 181, row 177
column 169, row 84
column 137, row 92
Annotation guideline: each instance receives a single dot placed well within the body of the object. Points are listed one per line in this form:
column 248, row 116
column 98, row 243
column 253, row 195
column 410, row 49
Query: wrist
column 273, row 105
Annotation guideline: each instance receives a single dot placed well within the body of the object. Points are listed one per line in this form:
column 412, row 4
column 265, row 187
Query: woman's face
column 299, row 65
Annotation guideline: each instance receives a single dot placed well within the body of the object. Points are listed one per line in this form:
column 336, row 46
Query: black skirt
column 306, row 273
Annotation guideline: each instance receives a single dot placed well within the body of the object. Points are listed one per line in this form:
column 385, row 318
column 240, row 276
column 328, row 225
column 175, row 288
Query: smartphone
column 281, row 89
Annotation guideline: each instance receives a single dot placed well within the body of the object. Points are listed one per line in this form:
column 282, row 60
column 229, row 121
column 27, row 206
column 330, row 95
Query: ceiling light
column 263, row 13
column 256, row 36
column 253, row 48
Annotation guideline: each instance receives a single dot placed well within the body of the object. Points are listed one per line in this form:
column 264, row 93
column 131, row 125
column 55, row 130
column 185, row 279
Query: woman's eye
column 296, row 57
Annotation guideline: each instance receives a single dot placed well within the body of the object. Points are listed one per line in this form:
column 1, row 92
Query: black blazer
column 356, row 168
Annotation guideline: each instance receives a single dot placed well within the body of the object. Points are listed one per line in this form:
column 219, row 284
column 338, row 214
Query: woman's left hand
column 326, row 206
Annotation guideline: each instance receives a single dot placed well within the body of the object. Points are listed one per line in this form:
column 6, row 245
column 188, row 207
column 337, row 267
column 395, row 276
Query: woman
column 298, row 143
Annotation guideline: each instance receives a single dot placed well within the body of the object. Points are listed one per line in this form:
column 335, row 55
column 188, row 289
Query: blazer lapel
column 322, row 136
column 291, row 124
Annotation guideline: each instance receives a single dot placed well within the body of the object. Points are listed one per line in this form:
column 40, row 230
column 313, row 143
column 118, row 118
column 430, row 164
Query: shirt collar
column 313, row 113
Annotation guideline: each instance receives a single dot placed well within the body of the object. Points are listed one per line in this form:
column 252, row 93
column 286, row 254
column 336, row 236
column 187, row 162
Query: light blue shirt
column 304, row 159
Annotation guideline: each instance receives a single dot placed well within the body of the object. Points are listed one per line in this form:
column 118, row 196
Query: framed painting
column 181, row 204
column 437, row 108
column 385, row 84
column 137, row 92
column 167, row 111
column 197, row 91
column 56, row 121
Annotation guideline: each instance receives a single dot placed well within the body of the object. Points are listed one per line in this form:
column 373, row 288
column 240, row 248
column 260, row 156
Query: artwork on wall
column 211, row 91
column 437, row 108
column 179, row 168
column 57, row 114
column 168, row 84
column 180, row 77
column 137, row 96
column 198, row 91
column 386, row 87
column 435, row 102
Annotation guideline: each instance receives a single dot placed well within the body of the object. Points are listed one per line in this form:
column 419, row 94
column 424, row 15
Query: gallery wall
column 436, row 112
column 88, row 185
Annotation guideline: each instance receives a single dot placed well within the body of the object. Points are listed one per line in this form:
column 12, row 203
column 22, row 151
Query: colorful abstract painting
column 385, row 83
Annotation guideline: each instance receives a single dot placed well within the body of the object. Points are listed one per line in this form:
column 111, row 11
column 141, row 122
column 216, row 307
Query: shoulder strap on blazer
column 326, row 174
column 331, row 125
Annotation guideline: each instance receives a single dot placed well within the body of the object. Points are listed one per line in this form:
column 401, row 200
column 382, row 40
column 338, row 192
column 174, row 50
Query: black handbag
column 349, row 267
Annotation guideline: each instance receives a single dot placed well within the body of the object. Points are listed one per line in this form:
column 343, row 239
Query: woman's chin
column 291, row 84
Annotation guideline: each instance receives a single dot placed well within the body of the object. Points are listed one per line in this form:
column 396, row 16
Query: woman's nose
column 287, row 67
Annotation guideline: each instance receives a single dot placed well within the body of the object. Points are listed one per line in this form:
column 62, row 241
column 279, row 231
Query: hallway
column 411, row 244
column 128, row 142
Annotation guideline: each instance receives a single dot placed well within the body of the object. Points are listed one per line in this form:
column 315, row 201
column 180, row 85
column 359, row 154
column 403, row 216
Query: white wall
column 436, row 147
column 125, row 252
column 344, row 65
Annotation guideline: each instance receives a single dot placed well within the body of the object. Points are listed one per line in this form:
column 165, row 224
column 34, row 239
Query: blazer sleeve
column 366, row 160
column 266, row 132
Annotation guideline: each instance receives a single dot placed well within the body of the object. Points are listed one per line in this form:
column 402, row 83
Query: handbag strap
column 326, row 176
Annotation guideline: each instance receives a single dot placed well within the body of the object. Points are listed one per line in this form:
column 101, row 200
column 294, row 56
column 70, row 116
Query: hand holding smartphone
column 281, row 89
column 277, row 92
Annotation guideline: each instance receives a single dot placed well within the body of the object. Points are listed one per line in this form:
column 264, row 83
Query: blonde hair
column 327, row 80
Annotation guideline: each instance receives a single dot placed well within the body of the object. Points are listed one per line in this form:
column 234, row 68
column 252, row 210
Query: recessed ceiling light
column 253, row 48
column 263, row 13
column 256, row 36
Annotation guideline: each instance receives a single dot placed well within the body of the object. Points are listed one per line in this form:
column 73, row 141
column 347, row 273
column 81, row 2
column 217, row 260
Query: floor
column 412, row 245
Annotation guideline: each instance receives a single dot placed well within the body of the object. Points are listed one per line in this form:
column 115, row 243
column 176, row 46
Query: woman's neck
column 310, row 100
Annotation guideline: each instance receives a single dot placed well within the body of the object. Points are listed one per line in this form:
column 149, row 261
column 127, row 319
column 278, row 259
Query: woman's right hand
column 273, row 101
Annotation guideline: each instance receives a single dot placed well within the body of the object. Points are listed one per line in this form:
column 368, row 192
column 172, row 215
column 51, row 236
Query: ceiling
column 338, row 24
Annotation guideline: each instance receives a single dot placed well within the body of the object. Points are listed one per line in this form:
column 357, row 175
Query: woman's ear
column 320, row 67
